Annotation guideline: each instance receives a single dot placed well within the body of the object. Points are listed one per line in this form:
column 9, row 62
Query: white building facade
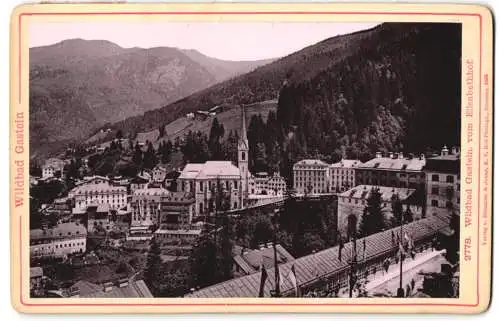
column 311, row 176
column 262, row 184
column 159, row 173
column 202, row 179
column 343, row 175
column 145, row 206
column 443, row 182
column 53, row 167
column 60, row 241
column 354, row 201
column 102, row 193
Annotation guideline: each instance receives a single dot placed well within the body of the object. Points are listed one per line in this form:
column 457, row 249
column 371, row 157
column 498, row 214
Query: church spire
column 243, row 126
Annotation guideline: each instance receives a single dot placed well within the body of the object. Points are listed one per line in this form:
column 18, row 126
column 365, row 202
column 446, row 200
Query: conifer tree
column 397, row 209
column 203, row 263
column 214, row 140
column 149, row 159
column 154, row 267
column 161, row 131
column 137, row 158
column 372, row 220
column 408, row 215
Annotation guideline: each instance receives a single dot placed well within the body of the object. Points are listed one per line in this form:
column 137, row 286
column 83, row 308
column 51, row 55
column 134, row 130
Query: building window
column 243, row 155
column 434, row 203
column 435, row 178
column 435, row 191
column 449, row 179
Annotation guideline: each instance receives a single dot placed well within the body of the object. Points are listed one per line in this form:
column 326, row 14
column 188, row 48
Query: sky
column 223, row 40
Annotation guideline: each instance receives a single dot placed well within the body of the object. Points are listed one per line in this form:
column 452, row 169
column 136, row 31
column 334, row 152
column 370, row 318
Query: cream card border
column 476, row 171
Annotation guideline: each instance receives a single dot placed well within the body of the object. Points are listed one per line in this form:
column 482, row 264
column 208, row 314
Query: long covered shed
column 326, row 265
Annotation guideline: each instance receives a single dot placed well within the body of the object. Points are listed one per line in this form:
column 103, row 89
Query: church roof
column 210, row 169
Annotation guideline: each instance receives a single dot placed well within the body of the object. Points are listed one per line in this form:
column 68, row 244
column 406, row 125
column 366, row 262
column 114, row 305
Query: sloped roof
column 136, row 289
column 191, row 170
column 364, row 191
column 309, row 268
column 159, row 168
column 151, row 192
column 310, row 162
column 36, row 272
column 98, row 188
column 210, row 169
column 54, row 163
column 252, row 260
column 347, row 163
column 60, row 231
column 86, row 288
column 449, row 164
column 387, row 163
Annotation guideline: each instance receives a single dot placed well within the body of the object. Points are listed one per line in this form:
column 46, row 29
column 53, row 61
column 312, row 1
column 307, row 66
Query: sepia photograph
column 312, row 160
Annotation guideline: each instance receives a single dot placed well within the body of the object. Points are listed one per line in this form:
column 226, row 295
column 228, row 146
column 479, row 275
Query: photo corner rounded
column 484, row 305
column 486, row 12
column 18, row 305
column 20, row 9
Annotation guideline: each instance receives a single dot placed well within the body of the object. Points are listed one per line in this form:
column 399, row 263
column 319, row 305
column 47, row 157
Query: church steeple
column 243, row 130
column 243, row 155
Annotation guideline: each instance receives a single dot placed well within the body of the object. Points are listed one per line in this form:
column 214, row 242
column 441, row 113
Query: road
column 385, row 283
column 391, row 285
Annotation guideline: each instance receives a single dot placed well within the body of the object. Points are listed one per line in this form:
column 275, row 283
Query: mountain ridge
column 390, row 95
column 78, row 85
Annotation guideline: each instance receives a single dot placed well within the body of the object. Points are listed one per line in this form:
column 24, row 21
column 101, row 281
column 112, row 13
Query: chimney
column 378, row 155
column 444, row 151
column 401, row 156
column 123, row 283
column 108, row 286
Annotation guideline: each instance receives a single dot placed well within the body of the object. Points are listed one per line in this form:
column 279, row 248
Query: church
column 201, row 179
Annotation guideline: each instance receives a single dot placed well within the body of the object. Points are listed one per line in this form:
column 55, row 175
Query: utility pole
column 353, row 266
column 401, row 292
column 276, row 268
